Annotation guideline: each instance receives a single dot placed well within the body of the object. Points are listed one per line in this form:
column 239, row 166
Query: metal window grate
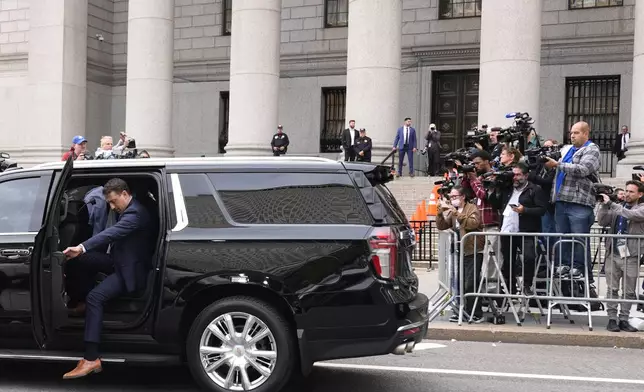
column 336, row 13
column 334, row 101
column 596, row 101
column 583, row 4
column 224, row 106
column 455, row 9
column 228, row 16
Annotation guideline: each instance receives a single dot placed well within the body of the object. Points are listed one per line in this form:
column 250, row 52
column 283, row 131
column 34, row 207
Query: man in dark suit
column 405, row 143
column 128, row 260
column 363, row 147
column 349, row 137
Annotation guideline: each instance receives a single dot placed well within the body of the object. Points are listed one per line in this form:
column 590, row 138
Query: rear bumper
column 407, row 327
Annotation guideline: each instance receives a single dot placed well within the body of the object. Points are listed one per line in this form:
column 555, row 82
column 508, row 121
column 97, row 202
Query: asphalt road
column 440, row 367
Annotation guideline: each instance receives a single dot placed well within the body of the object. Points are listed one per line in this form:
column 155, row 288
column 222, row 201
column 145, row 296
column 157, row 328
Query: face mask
column 456, row 202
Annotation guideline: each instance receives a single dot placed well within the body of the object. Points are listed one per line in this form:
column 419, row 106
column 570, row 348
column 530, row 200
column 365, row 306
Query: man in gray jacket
column 622, row 255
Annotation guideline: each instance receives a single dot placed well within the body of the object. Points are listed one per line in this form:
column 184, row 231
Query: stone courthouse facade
column 193, row 77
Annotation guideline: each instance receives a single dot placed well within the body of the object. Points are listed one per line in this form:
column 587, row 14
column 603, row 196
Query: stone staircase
column 409, row 191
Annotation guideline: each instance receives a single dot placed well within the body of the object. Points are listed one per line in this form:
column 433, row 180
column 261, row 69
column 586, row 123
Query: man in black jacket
column 363, row 147
column 279, row 142
column 520, row 210
column 545, row 177
column 349, row 139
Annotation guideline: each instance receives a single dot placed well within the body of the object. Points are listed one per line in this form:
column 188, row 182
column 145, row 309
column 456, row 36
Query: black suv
column 262, row 266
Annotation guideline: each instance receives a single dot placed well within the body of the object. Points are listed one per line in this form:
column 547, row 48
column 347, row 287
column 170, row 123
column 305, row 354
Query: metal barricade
column 447, row 260
column 537, row 273
column 426, row 242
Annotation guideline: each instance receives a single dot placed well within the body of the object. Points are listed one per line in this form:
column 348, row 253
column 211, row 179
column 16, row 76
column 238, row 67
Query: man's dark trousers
column 111, row 287
column 349, row 154
column 410, row 159
column 510, row 247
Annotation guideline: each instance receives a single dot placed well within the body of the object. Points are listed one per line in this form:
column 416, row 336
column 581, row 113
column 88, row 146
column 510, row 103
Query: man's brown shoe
column 84, row 368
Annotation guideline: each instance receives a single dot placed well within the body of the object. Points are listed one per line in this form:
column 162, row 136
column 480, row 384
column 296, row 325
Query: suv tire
column 253, row 320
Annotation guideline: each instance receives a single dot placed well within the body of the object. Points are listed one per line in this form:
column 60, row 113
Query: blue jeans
column 575, row 218
column 548, row 225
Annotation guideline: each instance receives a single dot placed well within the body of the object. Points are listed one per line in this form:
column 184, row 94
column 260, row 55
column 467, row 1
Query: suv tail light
column 384, row 251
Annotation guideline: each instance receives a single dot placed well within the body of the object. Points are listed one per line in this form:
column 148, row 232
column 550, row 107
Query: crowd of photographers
column 124, row 149
column 506, row 182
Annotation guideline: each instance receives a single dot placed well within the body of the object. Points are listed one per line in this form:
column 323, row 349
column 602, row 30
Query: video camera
column 5, row 163
column 520, row 129
column 498, row 179
column 535, row 156
column 446, row 187
column 606, row 190
column 463, row 156
column 477, row 136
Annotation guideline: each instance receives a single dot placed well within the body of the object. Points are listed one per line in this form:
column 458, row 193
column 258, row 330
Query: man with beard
column 522, row 207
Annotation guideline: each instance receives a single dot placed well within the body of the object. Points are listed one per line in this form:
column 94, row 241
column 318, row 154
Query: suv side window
column 291, row 198
column 201, row 207
column 22, row 205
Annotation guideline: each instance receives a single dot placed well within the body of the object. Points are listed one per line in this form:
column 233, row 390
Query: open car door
column 47, row 302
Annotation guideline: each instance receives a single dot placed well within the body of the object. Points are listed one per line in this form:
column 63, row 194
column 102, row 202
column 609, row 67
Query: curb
column 534, row 335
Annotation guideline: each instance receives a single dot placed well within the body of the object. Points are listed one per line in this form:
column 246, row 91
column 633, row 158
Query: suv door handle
column 15, row 253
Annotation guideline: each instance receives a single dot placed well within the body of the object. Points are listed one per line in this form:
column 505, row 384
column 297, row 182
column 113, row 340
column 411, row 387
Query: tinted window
column 201, row 206
column 291, row 198
column 22, row 204
column 395, row 214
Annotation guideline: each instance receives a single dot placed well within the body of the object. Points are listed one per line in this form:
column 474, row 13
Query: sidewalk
column 533, row 330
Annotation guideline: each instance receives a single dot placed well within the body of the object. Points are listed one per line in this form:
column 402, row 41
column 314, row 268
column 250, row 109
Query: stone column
column 635, row 153
column 254, row 76
column 373, row 71
column 510, row 60
column 57, row 78
column 150, row 64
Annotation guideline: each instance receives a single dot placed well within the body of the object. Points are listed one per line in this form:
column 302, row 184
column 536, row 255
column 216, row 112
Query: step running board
column 62, row 356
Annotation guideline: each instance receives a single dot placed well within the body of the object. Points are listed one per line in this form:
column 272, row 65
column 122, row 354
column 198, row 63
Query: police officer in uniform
column 279, row 142
column 363, row 147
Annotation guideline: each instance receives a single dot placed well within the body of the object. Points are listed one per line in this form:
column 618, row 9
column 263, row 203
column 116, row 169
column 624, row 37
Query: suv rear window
column 395, row 215
column 291, row 198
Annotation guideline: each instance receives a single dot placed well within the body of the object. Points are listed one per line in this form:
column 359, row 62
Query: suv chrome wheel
column 238, row 351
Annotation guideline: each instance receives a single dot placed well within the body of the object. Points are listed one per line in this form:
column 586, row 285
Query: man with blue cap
column 77, row 151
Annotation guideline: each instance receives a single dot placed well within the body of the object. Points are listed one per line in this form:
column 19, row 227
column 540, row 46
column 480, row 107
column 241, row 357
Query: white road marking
column 427, row 346
column 479, row 373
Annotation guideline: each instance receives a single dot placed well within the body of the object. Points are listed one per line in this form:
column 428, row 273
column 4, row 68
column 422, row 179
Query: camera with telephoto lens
column 501, row 179
column 5, row 163
column 606, row 190
column 463, row 156
column 536, row 156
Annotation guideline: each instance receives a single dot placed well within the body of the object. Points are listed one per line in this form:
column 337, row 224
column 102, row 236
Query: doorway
column 455, row 106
